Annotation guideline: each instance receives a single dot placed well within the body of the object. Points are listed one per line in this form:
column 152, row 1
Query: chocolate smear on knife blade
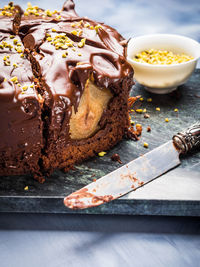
column 83, row 199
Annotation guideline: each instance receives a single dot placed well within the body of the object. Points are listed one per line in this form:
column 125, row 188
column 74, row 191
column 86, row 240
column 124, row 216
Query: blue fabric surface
column 68, row 240
column 28, row 240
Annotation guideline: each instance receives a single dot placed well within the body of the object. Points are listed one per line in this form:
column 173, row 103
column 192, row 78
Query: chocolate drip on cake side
column 20, row 108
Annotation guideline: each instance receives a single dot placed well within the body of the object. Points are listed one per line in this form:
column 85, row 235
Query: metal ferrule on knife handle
column 188, row 140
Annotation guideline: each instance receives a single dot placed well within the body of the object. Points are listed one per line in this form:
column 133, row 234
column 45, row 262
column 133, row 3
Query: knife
column 137, row 172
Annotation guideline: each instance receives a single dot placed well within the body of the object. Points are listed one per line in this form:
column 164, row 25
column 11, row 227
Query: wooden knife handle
column 189, row 139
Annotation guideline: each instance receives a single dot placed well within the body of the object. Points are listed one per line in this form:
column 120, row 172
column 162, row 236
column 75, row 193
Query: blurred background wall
column 136, row 17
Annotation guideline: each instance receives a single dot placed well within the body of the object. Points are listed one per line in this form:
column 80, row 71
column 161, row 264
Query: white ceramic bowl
column 162, row 79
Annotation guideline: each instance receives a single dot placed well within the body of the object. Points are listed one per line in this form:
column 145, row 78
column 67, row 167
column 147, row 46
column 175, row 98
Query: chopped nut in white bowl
column 161, row 62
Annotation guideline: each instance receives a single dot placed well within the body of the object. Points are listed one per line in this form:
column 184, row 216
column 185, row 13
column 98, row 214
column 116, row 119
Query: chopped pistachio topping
column 6, row 13
column 77, row 24
column 74, row 32
column 79, row 54
column 97, row 27
column 36, row 11
column 58, row 17
column 49, row 39
column 87, row 25
column 8, row 46
column 19, row 50
column 82, row 43
column 7, row 10
column 49, row 13
column 14, row 79
column 6, row 60
column 25, row 87
column 15, row 65
column 139, row 110
column 61, row 41
column 53, row 30
column 15, row 41
column 101, row 154
column 161, row 57
column 146, row 145
column 80, row 32
column 5, row 45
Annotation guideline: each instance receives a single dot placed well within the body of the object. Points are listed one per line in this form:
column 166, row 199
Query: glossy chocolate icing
column 10, row 17
column 102, row 56
column 90, row 51
column 20, row 120
column 34, row 16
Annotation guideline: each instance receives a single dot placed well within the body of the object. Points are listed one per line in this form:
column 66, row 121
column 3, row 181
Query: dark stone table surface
column 175, row 193
column 54, row 240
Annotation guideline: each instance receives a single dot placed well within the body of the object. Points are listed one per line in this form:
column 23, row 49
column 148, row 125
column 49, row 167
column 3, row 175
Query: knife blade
column 137, row 172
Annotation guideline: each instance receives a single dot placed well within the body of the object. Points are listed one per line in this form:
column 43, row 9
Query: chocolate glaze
column 60, row 80
column 68, row 9
column 101, row 56
column 20, row 110
column 31, row 20
column 11, row 23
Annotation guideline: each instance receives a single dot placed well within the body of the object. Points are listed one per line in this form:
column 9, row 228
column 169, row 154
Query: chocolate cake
column 67, row 98
column 21, row 131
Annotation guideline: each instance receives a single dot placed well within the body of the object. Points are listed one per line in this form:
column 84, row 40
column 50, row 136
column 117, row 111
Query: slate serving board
column 176, row 193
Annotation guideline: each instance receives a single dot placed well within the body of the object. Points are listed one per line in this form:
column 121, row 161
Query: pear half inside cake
column 93, row 102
